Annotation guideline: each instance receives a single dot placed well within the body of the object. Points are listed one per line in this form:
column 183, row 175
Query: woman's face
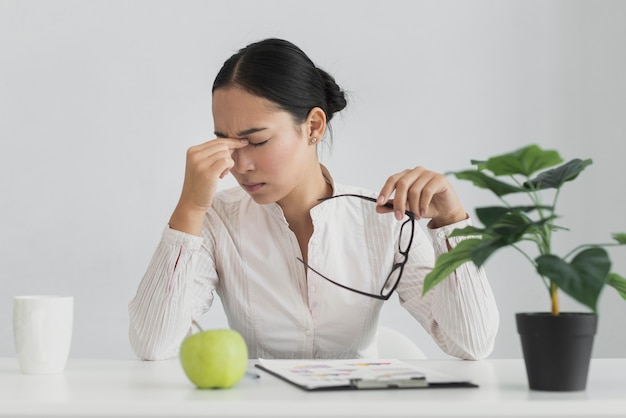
column 278, row 155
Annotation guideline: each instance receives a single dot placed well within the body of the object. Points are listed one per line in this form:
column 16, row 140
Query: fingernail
column 399, row 215
column 381, row 200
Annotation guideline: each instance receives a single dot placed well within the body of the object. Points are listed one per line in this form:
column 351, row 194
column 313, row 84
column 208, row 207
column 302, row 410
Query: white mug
column 42, row 327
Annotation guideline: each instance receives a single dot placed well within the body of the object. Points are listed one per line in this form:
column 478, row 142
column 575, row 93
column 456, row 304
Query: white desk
column 134, row 388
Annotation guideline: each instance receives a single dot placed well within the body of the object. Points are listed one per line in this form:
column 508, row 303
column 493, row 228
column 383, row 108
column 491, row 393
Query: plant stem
column 546, row 231
column 531, row 261
column 556, row 197
column 524, row 254
column 555, row 298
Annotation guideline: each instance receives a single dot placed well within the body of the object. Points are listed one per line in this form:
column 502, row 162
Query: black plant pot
column 557, row 349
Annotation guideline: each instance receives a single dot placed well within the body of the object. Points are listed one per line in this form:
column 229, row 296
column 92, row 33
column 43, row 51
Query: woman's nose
column 243, row 162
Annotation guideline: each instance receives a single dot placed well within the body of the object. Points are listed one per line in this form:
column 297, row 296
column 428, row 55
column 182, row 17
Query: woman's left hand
column 425, row 193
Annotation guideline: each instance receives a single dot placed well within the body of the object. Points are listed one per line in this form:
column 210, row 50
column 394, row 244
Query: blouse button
column 307, row 332
column 312, row 288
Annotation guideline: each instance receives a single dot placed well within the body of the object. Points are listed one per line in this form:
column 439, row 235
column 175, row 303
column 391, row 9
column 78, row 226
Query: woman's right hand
column 207, row 163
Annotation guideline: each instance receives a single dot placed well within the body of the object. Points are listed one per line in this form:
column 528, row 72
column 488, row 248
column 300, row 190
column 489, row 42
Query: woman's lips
column 252, row 187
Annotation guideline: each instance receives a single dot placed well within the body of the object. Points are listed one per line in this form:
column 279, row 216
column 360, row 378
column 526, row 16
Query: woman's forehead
column 236, row 110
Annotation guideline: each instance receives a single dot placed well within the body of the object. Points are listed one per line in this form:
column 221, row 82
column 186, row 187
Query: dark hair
column 282, row 73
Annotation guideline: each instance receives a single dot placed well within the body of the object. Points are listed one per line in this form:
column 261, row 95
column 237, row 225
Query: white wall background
column 99, row 101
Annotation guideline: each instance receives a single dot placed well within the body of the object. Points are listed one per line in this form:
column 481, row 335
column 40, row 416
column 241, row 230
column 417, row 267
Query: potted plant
column 556, row 345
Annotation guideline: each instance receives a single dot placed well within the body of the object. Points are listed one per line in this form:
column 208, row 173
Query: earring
column 314, row 140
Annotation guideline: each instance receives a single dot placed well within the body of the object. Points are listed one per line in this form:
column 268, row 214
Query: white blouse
column 248, row 256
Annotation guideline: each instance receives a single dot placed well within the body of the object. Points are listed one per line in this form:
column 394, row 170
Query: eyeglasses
column 393, row 279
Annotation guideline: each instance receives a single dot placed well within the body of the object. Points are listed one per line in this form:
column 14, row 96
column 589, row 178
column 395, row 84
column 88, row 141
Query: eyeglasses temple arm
column 340, row 285
column 371, row 199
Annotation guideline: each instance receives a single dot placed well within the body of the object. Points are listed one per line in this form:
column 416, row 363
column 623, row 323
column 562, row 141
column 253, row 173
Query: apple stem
column 193, row 321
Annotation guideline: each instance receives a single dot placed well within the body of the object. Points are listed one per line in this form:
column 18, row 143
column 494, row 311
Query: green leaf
column 619, row 283
column 490, row 215
column 620, row 237
column 509, row 229
column 553, row 179
column 513, row 226
column 583, row 278
column 468, row 231
column 484, row 181
column 480, row 164
column 524, row 161
column 481, row 252
column 448, row 262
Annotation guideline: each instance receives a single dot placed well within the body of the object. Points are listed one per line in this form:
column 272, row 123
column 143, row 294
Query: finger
column 237, row 143
column 215, row 164
column 215, row 145
column 428, row 192
column 404, row 185
column 421, row 192
column 389, row 187
column 221, row 163
column 386, row 208
column 229, row 142
column 197, row 154
column 400, row 198
column 224, row 165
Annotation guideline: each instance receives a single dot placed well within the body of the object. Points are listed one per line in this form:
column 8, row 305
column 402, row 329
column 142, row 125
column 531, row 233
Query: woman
column 277, row 255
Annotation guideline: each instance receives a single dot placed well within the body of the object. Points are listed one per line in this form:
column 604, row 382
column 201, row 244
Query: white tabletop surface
column 97, row 387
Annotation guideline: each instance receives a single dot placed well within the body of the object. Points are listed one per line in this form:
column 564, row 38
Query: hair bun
column 335, row 97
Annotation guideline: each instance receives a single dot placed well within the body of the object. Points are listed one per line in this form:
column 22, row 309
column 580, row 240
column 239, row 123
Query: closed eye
column 258, row 144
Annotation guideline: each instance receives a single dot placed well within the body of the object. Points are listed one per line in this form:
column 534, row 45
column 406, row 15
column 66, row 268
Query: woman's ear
column 315, row 124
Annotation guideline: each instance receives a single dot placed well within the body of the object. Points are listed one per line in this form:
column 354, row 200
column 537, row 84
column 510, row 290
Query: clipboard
column 354, row 374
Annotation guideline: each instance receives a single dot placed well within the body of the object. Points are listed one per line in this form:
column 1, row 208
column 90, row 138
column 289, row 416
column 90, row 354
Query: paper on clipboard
column 350, row 374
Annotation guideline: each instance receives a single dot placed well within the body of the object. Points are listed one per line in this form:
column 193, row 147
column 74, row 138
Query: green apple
column 214, row 358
